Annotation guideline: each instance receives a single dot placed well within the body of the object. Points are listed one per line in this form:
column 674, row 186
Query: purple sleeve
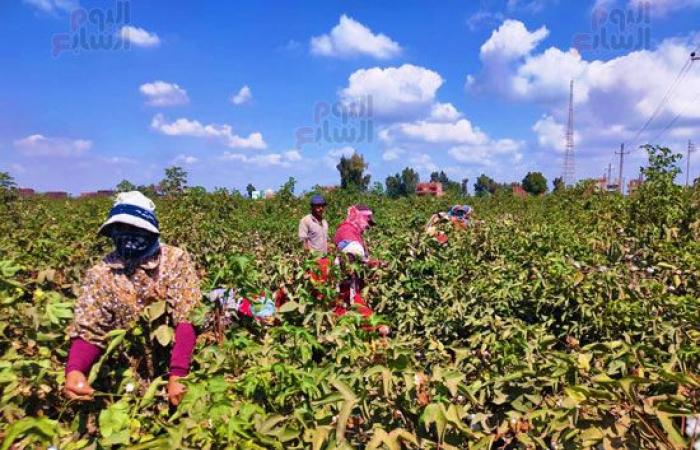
column 181, row 355
column 82, row 356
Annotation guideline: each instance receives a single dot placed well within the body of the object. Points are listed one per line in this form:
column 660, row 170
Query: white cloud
column 530, row 6
column 351, row 38
column 392, row 153
column 459, row 132
column 467, row 144
column 118, row 160
column 603, row 4
column 489, row 153
column 333, row 156
column 444, row 112
column 54, row 6
column 186, row 160
column 267, row 160
column 550, row 134
column 423, row 163
column 139, row 37
column 613, row 98
column 244, row 95
column 663, row 7
column 39, row 145
column 512, row 40
column 223, row 133
column 484, row 18
column 161, row 93
column 293, row 155
column 406, row 91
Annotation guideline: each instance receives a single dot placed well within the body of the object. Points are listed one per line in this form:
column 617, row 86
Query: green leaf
column 673, row 434
column 155, row 310
column 163, row 334
column 288, row 307
column 114, row 421
column 44, row 429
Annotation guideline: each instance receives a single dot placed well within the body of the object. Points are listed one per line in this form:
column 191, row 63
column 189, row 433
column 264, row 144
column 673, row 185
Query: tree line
column 353, row 176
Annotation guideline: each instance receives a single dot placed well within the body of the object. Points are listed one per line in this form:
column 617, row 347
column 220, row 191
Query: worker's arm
column 304, row 234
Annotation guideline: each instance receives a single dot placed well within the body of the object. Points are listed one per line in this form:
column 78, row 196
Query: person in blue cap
column 313, row 228
column 459, row 216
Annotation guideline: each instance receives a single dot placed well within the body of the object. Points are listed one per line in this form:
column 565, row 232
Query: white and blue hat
column 132, row 208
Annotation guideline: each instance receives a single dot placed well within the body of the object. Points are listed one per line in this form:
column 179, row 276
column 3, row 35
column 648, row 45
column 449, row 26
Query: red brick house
column 430, row 189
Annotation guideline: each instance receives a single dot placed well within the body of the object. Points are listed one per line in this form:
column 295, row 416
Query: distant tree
column 535, row 183
column 377, row 188
column 393, row 186
column 149, row 191
column 559, row 184
column 7, row 182
column 465, row 186
column 175, row 181
column 447, row 184
column 8, row 187
column 250, row 189
column 403, row 184
column 126, row 186
column 409, row 181
column 352, row 173
column 197, row 190
column 286, row 191
column 484, row 186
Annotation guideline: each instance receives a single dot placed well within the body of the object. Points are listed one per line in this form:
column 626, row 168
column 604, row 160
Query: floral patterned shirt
column 112, row 298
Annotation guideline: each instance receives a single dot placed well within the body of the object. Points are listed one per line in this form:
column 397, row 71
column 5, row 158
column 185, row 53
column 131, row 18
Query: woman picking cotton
column 349, row 240
column 114, row 293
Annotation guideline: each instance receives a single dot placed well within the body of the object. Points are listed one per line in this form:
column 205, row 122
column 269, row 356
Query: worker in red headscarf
column 349, row 240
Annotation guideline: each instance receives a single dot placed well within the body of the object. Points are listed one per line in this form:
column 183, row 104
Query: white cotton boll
column 692, row 427
column 354, row 248
column 129, row 388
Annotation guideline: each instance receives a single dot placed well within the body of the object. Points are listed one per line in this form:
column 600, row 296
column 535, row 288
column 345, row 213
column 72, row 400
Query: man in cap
column 140, row 271
column 313, row 228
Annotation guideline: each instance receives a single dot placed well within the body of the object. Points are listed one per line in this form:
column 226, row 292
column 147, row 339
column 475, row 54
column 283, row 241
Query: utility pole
column 609, row 174
column 622, row 154
column 691, row 150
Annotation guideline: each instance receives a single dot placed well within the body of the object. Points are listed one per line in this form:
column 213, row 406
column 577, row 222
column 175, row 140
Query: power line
column 674, row 120
column 681, row 75
column 670, row 92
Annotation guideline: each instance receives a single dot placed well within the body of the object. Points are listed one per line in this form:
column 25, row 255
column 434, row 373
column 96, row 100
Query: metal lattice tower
column 569, row 157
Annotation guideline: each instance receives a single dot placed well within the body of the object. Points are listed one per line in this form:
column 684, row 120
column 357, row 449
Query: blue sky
column 223, row 88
